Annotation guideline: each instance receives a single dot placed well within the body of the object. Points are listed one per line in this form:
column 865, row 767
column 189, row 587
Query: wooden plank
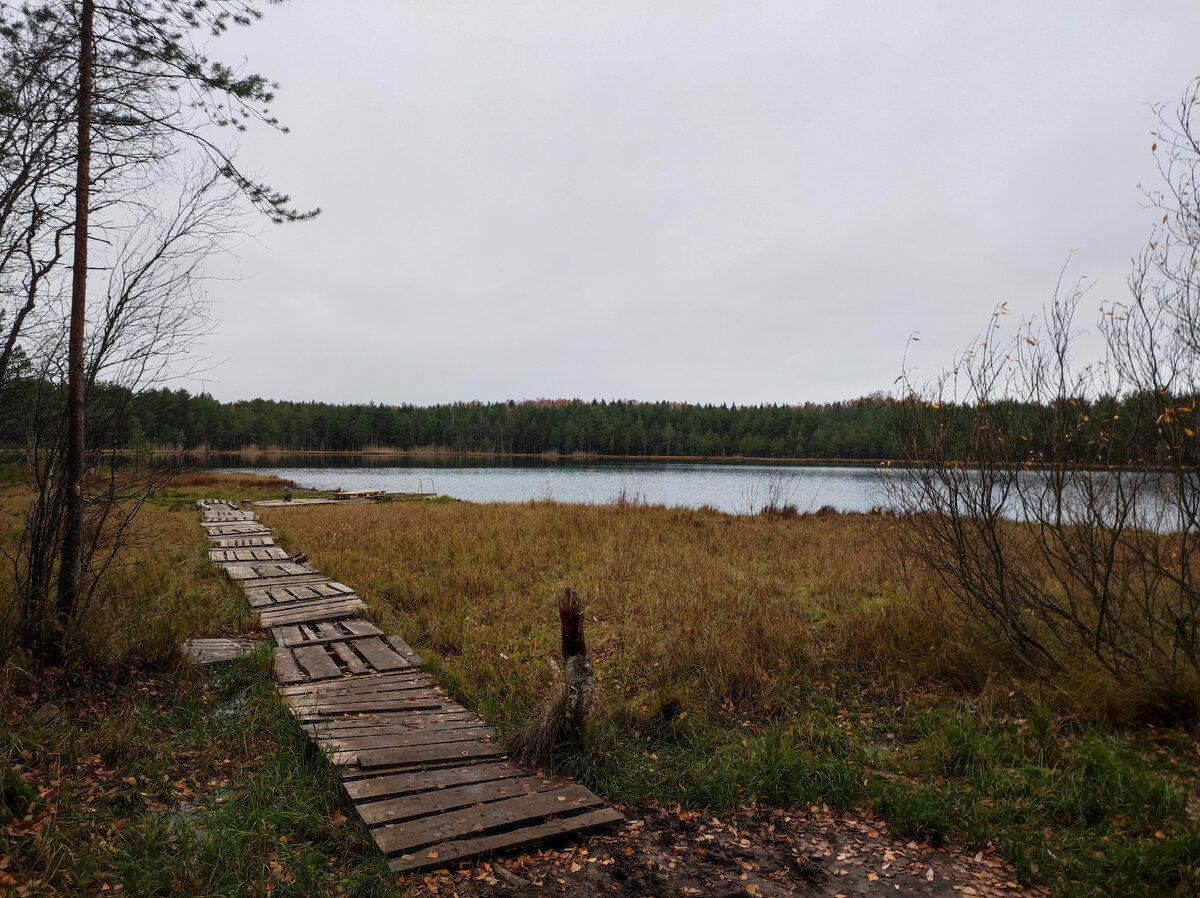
column 334, row 587
column 293, row 575
column 216, row 651
column 359, row 744
column 284, row 503
column 309, row 612
column 360, row 627
column 469, row 849
column 237, row 571
column 380, row 655
column 405, row 650
column 308, row 631
column 290, row 609
column 360, row 494
column 335, row 706
column 338, row 726
column 266, row 582
column 239, row 528
column 369, row 722
column 417, row 698
column 286, row 668
column 368, row 683
column 330, row 631
column 422, row 707
column 451, row 720
column 272, row 570
column 316, row 662
column 282, row 595
column 354, row 706
column 436, row 766
column 355, row 738
column 364, row 692
column 392, row 698
column 401, row 839
column 287, row 635
column 353, row 663
column 304, row 590
column 295, row 616
column 241, row 542
column 297, row 611
column 453, row 751
column 439, row 801
column 365, row 741
column 306, row 714
column 257, row 553
column 377, row 788
column 316, row 632
column 319, row 730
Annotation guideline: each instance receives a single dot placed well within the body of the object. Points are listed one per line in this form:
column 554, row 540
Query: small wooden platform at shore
column 360, row 497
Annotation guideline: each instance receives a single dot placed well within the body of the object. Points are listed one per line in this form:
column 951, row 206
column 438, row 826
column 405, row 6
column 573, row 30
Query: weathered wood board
column 253, row 553
column 466, row 849
column 215, row 651
column 300, row 612
column 240, row 542
column 213, row 530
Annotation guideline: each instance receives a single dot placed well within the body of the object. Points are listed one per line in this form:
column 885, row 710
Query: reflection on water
column 739, row 488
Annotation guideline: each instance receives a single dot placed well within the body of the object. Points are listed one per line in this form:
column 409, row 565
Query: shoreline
column 593, row 457
column 255, row 453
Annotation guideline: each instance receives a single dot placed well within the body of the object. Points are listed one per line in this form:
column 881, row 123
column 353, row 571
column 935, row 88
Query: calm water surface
column 737, row 488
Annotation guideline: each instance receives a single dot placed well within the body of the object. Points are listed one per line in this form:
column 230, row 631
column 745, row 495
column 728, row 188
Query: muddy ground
column 671, row 851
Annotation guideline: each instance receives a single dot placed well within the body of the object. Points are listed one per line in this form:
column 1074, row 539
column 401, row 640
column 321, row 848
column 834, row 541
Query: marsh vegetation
column 779, row 659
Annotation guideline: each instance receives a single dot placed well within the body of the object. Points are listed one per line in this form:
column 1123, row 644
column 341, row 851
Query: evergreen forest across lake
column 1102, row 430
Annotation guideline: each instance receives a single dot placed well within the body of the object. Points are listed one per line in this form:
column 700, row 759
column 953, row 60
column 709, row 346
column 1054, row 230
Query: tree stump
column 577, row 667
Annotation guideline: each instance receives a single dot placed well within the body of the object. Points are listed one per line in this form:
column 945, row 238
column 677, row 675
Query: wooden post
column 577, row 667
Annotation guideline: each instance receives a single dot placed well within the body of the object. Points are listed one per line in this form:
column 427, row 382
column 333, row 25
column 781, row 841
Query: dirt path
column 766, row 853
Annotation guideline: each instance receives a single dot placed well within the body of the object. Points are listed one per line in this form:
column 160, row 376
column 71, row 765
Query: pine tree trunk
column 72, row 545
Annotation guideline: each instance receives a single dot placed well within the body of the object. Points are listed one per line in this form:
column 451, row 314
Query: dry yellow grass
column 693, row 609
column 161, row 589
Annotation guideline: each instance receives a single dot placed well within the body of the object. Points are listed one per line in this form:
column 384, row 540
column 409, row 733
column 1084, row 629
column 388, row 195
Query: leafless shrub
column 1060, row 500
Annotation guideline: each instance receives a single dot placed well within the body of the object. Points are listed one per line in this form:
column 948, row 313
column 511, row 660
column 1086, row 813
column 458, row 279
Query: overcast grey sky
column 696, row 201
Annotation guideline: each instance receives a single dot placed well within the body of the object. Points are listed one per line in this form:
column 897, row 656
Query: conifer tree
column 138, row 88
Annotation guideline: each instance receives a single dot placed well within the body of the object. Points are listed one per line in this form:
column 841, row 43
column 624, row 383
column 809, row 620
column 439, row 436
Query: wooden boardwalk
column 424, row 773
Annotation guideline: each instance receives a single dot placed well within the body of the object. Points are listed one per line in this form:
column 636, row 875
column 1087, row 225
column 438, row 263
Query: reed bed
column 697, row 608
column 777, row 660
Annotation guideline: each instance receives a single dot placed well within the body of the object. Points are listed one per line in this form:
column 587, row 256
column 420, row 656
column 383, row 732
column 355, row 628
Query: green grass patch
column 172, row 783
column 1081, row 807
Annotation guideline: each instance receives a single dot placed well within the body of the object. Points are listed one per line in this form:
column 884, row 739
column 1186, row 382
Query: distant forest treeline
column 1130, row 430
column 858, row 429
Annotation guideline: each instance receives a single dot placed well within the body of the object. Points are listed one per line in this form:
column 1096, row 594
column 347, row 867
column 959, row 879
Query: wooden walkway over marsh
column 424, row 773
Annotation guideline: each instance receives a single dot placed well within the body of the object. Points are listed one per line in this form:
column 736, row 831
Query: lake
column 736, row 488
